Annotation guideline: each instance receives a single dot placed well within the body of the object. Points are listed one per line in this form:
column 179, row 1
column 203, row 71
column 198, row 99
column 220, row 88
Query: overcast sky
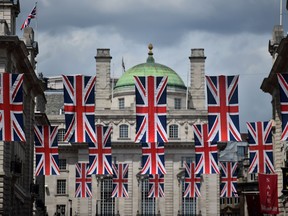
column 233, row 33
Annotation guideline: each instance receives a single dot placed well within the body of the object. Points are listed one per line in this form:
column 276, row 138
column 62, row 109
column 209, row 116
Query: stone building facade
column 115, row 106
column 16, row 158
column 279, row 52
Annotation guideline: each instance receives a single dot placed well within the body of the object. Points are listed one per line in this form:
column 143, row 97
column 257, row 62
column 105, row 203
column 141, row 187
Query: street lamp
column 70, row 202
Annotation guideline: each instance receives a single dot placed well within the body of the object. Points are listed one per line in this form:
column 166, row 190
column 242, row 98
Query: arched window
column 123, row 131
column 173, row 131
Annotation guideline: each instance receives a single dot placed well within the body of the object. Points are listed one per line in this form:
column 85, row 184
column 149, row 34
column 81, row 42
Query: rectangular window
column 62, row 164
column 147, row 204
column 123, row 131
column 61, row 210
column 61, row 186
column 188, row 204
column 173, row 131
column 177, row 103
column 121, row 103
column 61, row 133
column 106, row 205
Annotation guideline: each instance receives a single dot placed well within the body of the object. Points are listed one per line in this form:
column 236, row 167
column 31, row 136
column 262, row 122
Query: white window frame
column 173, row 134
column 123, row 134
column 60, row 188
column 121, row 103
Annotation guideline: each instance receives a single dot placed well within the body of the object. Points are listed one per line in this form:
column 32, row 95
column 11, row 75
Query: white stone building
column 117, row 108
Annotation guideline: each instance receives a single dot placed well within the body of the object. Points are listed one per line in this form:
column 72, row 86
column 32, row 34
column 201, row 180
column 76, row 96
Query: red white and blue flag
column 156, row 186
column 151, row 109
column 79, row 108
column 100, row 159
column 120, row 180
column 206, row 152
column 223, row 108
column 11, row 107
column 192, row 181
column 46, row 148
column 228, row 186
column 283, row 88
column 260, row 147
column 153, row 159
column 32, row 15
column 83, row 186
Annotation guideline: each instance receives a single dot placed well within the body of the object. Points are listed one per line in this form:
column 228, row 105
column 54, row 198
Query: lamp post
column 70, row 203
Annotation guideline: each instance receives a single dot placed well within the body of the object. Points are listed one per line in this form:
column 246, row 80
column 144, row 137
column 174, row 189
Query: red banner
column 253, row 204
column 268, row 193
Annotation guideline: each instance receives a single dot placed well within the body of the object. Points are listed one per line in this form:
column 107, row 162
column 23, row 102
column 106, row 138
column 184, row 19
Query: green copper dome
column 150, row 68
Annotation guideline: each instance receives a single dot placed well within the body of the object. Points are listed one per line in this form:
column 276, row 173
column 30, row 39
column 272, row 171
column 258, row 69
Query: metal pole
column 281, row 12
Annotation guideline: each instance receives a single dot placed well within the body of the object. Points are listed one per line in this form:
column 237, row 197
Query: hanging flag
column 100, row 159
column 79, row 108
column 32, row 15
column 153, row 158
column 228, row 186
column 192, row 181
column 206, row 152
column 156, row 186
column 283, row 88
column 120, row 180
column 11, row 107
column 151, row 109
column 46, row 148
column 253, row 204
column 268, row 193
column 260, row 147
column 223, row 108
column 83, row 181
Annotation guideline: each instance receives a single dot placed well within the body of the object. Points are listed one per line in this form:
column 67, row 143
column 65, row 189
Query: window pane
column 147, row 204
column 60, row 209
column 123, row 133
column 107, row 204
column 173, row 131
column 62, row 164
column 61, row 186
column 121, row 103
column 177, row 103
column 61, row 133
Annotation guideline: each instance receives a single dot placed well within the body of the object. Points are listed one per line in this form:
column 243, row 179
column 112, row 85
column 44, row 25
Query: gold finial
column 150, row 47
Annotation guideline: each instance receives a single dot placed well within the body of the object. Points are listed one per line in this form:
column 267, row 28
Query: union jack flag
column 283, row 87
column 79, row 108
column 260, row 147
column 100, row 159
column 83, row 181
column 228, row 186
column 223, row 108
column 120, row 180
column 11, row 107
column 156, row 186
column 46, row 148
column 206, row 152
column 32, row 15
column 153, row 158
column 151, row 109
column 192, row 181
